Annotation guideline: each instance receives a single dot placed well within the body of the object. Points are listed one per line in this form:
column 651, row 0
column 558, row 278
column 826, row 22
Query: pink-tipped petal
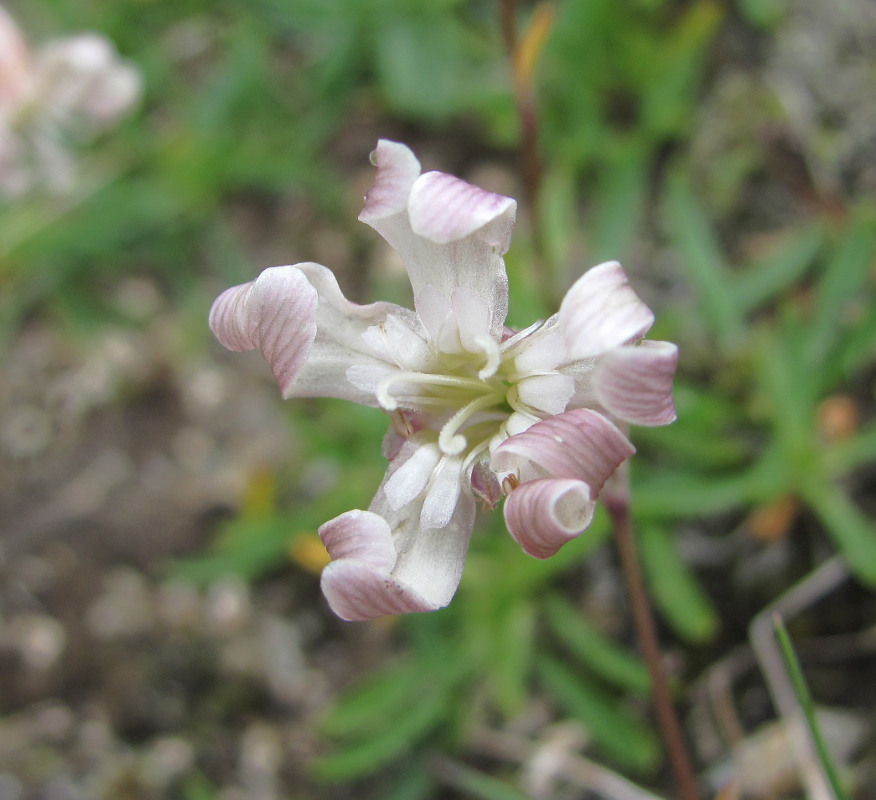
column 601, row 311
column 444, row 209
column 309, row 333
column 276, row 314
column 448, row 233
column 635, row 382
column 386, row 562
column 397, row 169
column 543, row 515
column 357, row 583
column 581, row 444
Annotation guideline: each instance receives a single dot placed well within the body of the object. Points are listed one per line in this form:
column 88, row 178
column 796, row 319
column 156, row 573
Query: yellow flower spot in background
column 309, row 553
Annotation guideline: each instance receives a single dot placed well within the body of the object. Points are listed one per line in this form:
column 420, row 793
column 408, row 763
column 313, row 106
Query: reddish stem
column 617, row 504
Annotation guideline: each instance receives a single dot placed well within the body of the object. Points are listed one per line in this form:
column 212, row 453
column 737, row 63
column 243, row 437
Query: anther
column 510, row 483
column 401, row 424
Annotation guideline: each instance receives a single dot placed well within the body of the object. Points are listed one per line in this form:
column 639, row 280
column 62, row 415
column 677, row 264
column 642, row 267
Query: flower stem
column 616, row 497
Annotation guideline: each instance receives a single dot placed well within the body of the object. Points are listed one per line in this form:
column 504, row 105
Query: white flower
column 477, row 410
column 74, row 85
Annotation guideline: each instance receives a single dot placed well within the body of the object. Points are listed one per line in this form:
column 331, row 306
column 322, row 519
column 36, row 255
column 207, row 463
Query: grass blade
column 805, row 700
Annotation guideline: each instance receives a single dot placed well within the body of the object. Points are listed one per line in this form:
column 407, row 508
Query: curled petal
column 386, row 562
column 581, row 444
column 357, row 583
column 635, row 383
column 276, row 314
column 310, row 334
column 601, row 311
column 543, row 515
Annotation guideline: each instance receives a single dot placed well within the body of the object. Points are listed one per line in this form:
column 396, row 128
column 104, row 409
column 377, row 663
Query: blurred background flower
column 68, row 89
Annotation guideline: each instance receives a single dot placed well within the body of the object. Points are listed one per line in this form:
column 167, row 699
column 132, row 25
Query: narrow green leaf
column 848, row 455
column 765, row 278
column 805, row 700
column 619, row 212
column 703, row 261
column 843, row 278
column 413, row 782
column 612, row 663
column 512, row 639
column 672, row 495
column 624, row 738
column 855, row 348
column 371, row 753
column 854, row 534
column 674, row 587
column 788, row 384
column 375, row 703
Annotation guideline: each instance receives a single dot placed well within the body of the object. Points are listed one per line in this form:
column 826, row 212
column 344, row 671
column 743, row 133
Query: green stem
column 805, row 700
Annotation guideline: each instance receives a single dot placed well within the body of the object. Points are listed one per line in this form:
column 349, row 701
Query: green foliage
column 594, row 650
column 620, row 735
column 674, row 588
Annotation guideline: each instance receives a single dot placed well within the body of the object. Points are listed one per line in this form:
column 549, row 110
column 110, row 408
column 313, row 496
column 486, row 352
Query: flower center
column 466, row 400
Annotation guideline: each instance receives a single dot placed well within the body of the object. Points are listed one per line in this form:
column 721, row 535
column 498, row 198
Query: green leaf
column 667, row 494
column 606, row 659
column 703, row 261
column 848, row 455
column 621, row 736
column 375, row 703
column 413, row 782
column 854, row 534
column 856, row 345
column 248, row 546
column 674, row 588
column 619, row 210
column 769, row 275
column 405, row 729
column 420, row 64
column 511, row 654
column 842, row 280
column 787, row 381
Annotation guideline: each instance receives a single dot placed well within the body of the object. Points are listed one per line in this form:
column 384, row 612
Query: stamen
column 449, row 440
column 519, row 337
column 388, row 402
column 510, row 483
column 401, row 424
column 490, row 349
